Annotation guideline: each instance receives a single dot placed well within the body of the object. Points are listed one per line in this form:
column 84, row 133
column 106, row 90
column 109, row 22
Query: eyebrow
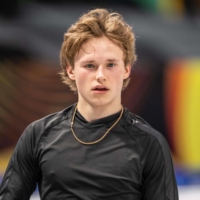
column 113, row 60
column 88, row 61
column 92, row 61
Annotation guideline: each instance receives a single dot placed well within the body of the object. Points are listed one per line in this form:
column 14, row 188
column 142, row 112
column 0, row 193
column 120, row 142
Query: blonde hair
column 96, row 23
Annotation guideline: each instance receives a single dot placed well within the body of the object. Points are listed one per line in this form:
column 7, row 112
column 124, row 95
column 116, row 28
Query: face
column 99, row 72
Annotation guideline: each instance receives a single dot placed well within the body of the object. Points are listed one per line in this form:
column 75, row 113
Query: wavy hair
column 96, row 23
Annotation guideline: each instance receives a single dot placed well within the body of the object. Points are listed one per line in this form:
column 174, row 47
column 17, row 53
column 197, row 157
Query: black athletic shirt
column 132, row 162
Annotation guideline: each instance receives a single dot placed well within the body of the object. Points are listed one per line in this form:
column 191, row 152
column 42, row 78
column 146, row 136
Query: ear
column 127, row 71
column 70, row 72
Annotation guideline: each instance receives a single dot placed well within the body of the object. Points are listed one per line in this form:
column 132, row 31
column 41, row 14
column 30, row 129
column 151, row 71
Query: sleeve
column 158, row 177
column 22, row 173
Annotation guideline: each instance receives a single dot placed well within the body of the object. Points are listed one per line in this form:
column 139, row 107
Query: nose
column 100, row 74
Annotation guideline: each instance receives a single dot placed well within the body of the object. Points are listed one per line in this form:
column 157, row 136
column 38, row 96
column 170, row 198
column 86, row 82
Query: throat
column 90, row 113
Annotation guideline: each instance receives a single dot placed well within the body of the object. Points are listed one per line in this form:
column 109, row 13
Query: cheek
column 81, row 77
column 118, row 80
column 80, row 81
column 119, row 75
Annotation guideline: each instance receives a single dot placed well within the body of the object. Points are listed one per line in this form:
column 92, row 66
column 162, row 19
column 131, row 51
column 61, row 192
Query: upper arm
column 21, row 175
column 159, row 181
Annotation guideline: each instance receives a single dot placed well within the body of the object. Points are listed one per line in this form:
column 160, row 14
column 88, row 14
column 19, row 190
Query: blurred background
column 165, row 81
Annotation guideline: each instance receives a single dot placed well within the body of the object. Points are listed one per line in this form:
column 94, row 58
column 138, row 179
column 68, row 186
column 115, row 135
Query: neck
column 91, row 113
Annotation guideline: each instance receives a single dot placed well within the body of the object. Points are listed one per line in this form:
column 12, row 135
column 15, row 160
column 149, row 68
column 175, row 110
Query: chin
column 99, row 103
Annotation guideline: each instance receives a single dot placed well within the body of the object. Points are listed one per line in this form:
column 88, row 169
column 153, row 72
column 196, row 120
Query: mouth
column 99, row 88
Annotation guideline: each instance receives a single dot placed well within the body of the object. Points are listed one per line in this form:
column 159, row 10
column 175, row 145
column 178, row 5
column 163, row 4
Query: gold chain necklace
column 96, row 141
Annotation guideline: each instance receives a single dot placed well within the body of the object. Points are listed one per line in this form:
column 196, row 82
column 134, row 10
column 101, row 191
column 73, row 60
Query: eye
column 111, row 65
column 89, row 66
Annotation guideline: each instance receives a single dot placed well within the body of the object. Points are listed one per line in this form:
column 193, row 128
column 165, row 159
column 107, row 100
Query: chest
column 112, row 165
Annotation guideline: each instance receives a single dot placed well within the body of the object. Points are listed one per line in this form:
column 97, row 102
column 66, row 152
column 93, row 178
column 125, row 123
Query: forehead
column 101, row 48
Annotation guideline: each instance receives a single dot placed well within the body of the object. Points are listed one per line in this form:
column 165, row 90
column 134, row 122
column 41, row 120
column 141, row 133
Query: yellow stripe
column 187, row 115
column 192, row 109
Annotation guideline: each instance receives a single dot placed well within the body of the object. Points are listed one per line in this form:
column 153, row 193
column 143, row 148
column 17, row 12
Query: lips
column 100, row 88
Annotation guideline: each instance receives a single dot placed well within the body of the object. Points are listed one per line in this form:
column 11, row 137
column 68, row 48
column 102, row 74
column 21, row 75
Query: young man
column 95, row 149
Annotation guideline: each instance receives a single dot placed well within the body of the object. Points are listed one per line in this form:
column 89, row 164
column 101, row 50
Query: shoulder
column 152, row 145
column 51, row 120
column 38, row 128
column 34, row 132
column 143, row 133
